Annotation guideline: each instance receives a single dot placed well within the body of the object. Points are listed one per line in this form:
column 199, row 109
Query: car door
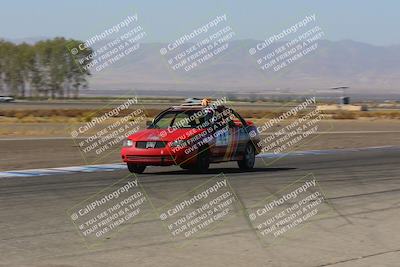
column 227, row 135
column 237, row 137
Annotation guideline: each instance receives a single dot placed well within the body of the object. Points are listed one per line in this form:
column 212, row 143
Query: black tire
column 186, row 166
column 134, row 168
column 202, row 162
column 249, row 158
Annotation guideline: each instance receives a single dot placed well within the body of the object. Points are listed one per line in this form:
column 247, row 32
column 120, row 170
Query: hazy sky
column 374, row 22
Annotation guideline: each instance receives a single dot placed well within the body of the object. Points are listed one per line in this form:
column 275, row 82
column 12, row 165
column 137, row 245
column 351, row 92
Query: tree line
column 44, row 69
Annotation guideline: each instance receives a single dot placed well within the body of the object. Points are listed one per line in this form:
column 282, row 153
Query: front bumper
column 157, row 156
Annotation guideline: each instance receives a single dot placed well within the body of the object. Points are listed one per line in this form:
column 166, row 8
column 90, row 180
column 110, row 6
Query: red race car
column 192, row 136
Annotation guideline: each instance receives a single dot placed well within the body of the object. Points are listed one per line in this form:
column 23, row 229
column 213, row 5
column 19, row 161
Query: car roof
column 186, row 107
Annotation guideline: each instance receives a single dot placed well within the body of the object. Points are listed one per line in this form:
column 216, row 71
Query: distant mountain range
column 365, row 68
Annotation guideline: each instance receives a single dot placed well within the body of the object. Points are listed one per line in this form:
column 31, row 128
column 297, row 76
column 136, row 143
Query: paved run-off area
column 361, row 229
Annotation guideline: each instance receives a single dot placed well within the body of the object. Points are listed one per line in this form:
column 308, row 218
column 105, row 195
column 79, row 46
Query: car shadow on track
column 223, row 170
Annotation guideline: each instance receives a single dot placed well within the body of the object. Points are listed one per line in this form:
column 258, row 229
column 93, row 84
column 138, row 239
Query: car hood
column 164, row 134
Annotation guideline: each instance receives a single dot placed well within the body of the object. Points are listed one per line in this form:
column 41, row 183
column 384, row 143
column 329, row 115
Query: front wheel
column 249, row 158
column 202, row 162
column 134, row 168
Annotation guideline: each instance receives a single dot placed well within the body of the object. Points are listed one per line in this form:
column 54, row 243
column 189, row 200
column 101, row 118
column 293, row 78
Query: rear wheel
column 249, row 158
column 134, row 168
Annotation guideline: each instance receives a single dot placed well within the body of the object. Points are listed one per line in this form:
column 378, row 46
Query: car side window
column 235, row 120
column 218, row 119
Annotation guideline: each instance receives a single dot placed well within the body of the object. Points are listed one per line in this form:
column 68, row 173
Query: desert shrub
column 344, row 115
column 86, row 117
column 20, row 115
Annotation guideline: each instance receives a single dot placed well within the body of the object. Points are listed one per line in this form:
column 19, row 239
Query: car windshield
column 182, row 119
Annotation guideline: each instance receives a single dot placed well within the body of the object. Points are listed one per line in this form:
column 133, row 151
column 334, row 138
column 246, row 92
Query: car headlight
column 178, row 143
column 127, row 143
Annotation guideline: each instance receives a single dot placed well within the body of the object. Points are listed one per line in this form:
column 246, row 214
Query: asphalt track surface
column 362, row 228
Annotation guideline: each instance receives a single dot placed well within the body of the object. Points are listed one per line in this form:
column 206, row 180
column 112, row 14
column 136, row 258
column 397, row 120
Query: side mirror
column 236, row 124
column 148, row 123
column 250, row 123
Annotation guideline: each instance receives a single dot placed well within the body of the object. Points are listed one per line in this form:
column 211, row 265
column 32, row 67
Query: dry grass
column 85, row 115
column 351, row 115
column 344, row 115
column 266, row 114
column 61, row 115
